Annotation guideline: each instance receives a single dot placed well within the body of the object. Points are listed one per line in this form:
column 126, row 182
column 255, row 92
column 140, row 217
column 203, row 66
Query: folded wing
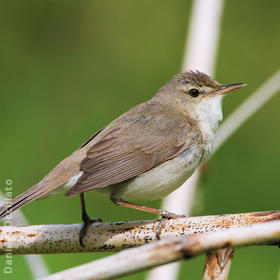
column 139, row 140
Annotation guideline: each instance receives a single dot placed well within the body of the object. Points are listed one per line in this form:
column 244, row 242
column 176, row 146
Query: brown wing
column 138, row 141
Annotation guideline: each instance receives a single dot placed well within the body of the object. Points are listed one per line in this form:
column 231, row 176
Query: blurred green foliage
column 70, row 67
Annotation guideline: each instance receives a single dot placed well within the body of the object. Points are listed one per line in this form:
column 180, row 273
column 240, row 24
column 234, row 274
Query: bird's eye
column 194, row 92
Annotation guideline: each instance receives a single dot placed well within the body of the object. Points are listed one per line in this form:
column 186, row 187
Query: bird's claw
column 164, row 217
column 170, row 215
column 87, row 222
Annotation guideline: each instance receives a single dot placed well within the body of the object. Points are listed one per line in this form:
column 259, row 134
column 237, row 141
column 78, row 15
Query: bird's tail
column 65, row 170
column 26, row 197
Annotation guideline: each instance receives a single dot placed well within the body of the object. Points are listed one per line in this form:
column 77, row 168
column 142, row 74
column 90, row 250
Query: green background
column 67, row 68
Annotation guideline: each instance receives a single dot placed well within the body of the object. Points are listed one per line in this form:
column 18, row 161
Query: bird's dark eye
column 194, row 92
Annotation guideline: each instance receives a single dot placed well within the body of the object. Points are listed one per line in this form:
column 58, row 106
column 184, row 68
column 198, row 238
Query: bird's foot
column 164, row 217
column 87, row 222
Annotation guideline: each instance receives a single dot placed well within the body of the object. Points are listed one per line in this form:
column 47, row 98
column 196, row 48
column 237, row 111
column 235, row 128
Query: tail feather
column 65, row 170
column 26, row 197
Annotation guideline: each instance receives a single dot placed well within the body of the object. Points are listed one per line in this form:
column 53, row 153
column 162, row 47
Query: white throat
column 208, row 113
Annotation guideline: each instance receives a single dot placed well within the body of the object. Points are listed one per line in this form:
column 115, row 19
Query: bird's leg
column 164, row 215
column 86, row 219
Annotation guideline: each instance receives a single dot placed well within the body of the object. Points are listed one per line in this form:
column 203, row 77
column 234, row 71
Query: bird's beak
column 224, row 89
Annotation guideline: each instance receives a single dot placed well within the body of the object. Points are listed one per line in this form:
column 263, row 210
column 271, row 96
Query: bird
column 145, row 154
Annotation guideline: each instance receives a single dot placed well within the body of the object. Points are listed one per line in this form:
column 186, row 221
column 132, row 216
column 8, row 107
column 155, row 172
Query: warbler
column 146, row 153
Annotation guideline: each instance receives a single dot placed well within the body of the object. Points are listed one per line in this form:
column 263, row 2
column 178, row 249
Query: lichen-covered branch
column 170, row 250
column 50, row 239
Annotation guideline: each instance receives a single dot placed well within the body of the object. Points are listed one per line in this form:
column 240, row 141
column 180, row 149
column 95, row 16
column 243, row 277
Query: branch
column 49, row 239
column 170, row 250
column 218, row 264
column 35, row 263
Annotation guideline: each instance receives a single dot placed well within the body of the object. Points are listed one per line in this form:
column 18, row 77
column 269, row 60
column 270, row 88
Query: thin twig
column 170, row 250
column 50, row 239
column 255, row 101
column 199, row 53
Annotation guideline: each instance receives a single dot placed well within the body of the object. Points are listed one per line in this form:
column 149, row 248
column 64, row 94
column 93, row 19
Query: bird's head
column 198, row 95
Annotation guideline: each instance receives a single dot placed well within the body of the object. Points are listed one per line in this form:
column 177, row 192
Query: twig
column 247, row 109
column 199, row 53
column 218, row 264
column 203, row 36
column 170, row 250
column 49, row 239
column 35, row 262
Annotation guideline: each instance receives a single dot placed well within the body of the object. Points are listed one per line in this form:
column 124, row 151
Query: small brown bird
column 146, row 153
